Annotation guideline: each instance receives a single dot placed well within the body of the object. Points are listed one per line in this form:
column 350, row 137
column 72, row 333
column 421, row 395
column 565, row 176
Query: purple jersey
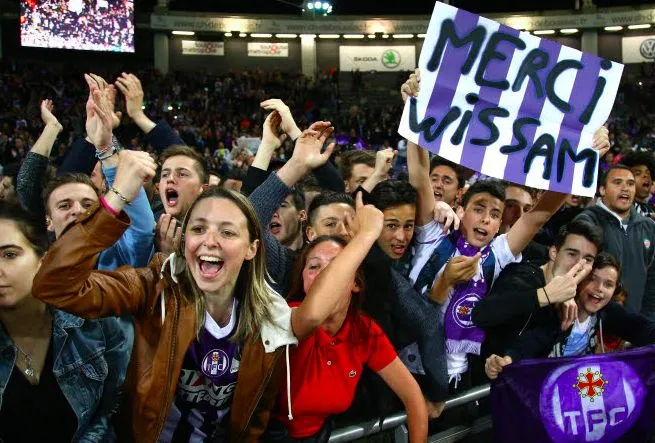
column 207, row 381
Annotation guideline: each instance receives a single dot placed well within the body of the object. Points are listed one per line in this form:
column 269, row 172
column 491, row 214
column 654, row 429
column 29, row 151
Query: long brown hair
column 251, row 289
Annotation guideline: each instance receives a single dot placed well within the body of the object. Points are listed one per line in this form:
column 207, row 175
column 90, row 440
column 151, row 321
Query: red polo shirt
column 325, row 370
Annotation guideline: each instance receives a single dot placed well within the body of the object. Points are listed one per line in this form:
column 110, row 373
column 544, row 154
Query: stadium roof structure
column 375, row 7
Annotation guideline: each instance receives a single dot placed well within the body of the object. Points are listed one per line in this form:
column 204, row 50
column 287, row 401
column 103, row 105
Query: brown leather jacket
column 67, row 280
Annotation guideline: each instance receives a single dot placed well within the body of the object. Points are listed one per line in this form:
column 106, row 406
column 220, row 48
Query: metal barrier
column 398, row 420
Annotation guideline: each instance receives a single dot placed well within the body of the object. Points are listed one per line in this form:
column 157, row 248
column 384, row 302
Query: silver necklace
column 27, row 357
column 29, row 371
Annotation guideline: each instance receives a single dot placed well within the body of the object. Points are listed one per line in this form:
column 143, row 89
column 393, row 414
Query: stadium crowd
column 243, row 257
column 100, row 25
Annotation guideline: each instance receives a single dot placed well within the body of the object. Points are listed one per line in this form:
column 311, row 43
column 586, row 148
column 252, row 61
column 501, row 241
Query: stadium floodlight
column 644, row 26
column 259, row 35
column 569, row 31
column 352, row 36
column 183, row 33
column 385, row 35
column 328, row 35
column 228, row 34
column 420, row 35
column 613, row 28
column 326, row 5
column 317, row 4
column 371, row 36
column 286, row 35
column 544, row 32
column 403, row 36
column 310, row 5
column 242, row 34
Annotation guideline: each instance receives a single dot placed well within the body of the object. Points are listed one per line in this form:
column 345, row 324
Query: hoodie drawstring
column 290, row 416
column 162, row 301
column 602, row 342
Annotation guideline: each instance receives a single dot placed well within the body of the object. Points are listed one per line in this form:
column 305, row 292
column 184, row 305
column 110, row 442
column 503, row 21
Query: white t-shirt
column 428, row 238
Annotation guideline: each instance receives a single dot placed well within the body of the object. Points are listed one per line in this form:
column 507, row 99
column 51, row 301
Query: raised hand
column 495, row 364
column 271, row 137
column 601, row 141
column 130, row 86
column 47, row 116
column 383, row 160
column 99, row 122
column 412, row 86
column 169, row 233
column 368, row 220
column 307, row 152
column 563, row 287
column 287, row 123
column 444, row 215
column 134, row 169
column 461, row 269
column 109, row 95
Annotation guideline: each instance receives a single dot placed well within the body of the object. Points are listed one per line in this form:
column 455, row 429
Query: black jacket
column 613, row 319
column 634, row 248
column 509, row 306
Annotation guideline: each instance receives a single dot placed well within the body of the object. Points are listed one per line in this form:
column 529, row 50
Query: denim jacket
column 90, row 359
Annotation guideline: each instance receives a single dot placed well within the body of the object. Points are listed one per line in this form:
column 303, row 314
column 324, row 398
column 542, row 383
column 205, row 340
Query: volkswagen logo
column 647, row 49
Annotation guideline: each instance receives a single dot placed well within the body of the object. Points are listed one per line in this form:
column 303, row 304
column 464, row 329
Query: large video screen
column 94, row 25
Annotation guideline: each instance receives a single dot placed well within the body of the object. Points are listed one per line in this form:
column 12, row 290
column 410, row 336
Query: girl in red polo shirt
column 326, row 365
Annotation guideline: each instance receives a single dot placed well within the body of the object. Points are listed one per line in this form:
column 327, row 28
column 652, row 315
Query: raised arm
column 335, row 279
column 31, row 176
column 66, row 278
column 418, row 160
column 130, row 86
column 383, row 162
column 531, row 222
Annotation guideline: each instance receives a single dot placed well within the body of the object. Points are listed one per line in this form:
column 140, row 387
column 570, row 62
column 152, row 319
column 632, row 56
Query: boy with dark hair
column 642, row 165
column 287, row 222
column 448, row 180
column 523, row 288
column 397, row 201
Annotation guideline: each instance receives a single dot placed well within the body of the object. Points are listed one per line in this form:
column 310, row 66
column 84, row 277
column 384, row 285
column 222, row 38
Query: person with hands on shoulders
column 347, row 339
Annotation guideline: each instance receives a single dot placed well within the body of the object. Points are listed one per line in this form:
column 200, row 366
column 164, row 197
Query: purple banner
column 598, row 398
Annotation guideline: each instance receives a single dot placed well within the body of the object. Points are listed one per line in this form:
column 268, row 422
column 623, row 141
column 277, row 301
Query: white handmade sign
column 509, row 104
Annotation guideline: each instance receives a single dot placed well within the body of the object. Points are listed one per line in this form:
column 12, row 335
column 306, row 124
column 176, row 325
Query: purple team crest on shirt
column 215, row 363
column 463, row 309
column 591, row 402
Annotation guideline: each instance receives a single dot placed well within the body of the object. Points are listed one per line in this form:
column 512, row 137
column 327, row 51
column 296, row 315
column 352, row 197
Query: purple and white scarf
column 462, row 335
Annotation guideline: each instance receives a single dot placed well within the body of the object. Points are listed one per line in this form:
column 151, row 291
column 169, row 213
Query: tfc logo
column 215, row 363
column 462, row 311
column 591, row 403
column 647, row 49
